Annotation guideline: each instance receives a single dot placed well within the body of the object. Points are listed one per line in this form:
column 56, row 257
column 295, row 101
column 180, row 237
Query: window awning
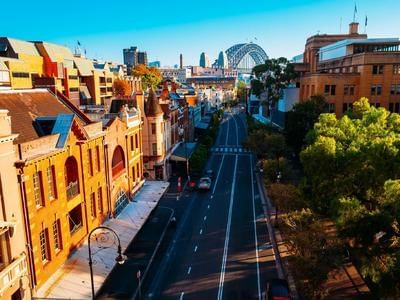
column 84, row 92
column 183, row 152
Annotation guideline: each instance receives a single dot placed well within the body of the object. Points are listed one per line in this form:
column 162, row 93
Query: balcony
column 13, row 273
column 118, row 168
column 72, row 190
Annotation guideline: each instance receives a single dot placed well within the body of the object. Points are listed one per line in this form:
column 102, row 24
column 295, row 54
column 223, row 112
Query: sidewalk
column 72, row 281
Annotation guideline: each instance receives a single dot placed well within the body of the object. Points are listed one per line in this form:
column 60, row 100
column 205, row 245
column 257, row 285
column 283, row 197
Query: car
column 204, row 183
column 277, row 289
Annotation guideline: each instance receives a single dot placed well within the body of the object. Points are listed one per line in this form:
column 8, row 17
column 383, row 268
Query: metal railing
column 72, row 189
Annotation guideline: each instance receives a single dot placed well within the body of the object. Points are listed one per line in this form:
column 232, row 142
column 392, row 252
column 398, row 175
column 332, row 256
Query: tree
column 257, row 87
column 151, row 77
column 300, row 120
column 276, row 74
column 122, row 87
column 241, row 90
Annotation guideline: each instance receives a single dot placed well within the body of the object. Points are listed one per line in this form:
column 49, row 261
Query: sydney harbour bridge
column 244, row 57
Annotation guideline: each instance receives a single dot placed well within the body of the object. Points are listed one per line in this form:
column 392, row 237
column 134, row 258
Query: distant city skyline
column 164, row 30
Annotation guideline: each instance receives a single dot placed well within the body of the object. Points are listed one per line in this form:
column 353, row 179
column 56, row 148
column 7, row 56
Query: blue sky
column 167, row 28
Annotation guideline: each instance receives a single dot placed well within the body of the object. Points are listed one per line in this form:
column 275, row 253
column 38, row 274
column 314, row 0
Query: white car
column 204, row 183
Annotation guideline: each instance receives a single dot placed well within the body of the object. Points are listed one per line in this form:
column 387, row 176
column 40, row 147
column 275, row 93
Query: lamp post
column 120, row 259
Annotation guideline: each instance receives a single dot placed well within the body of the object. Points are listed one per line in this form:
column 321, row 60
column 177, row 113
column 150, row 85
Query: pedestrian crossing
column 230, row 149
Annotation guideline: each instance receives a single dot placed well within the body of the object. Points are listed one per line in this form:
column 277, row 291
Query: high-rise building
column 130, row 56
column 222, row 61
column 141, row 58
column 204, row 60
column 181, row 61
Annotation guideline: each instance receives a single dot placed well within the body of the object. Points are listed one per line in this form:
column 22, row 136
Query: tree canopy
column 122, row 87
column 151, row 77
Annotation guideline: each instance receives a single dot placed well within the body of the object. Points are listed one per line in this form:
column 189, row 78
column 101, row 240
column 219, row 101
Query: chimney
column 181, row 61
column 353, row 28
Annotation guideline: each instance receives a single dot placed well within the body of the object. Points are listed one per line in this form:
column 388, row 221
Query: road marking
column 212, row 196
column 240, row 149
column 228, row 229
column 219, row 171
column 205, row 218
column 208, row 206
column 201, row 231
column 255, row 231
column 189, row 270
column 195, row 249
column 227, row 134
column 181, row 297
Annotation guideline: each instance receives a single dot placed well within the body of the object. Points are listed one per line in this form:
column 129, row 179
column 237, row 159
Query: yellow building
column 23, row 61
column 63, row 177
column 14, row 273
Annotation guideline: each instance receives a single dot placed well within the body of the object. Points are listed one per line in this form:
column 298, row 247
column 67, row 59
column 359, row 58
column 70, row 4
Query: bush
column 198, row 159
column 270, row 168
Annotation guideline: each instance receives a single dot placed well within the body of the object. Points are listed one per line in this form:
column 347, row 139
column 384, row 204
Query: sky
column 167, row 28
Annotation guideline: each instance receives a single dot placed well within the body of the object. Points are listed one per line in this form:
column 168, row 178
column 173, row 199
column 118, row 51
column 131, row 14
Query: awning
column 183, row 152
column 202, row 125
column 5, row 226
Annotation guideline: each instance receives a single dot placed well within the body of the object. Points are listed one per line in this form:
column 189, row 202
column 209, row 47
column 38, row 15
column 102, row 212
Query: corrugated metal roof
column 85, row 66
column 58, row 53
column 23, row 47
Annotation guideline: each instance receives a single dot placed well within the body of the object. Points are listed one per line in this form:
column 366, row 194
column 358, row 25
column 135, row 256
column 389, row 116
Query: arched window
column 118, row 161
column 71, row 177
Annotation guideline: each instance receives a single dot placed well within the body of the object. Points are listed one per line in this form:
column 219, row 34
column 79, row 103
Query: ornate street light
column 120, row 259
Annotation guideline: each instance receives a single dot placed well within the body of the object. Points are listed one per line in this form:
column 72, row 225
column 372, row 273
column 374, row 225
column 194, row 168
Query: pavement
column 72, row 280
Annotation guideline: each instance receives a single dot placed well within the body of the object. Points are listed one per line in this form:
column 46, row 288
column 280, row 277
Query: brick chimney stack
column 353, row 28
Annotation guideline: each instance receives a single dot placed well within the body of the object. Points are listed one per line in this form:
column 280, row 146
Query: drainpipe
column 127, row 166
column 83, row 188
column 22, row 190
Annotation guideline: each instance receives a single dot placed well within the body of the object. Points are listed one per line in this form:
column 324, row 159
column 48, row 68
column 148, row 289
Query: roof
column 153, row 107
column 183, row 151
column 23, row 47
column 3, row 66
column 63, row 126
column 25, row 106
column 85, row 66
column 57, row 53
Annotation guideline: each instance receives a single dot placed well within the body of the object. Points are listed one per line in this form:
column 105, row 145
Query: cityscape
column 200, row 151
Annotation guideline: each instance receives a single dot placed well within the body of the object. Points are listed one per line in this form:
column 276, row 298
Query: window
column 394, row 107
column 90, row 162
column 57, row 235
column 20, row 74
column 330, row 90
column 377, row 69
column 153, row 128
column 121, row 203
column 118, row 161
column 100, row 199
column 98, row 158
column 396, row 69
column 73, row 89
column 331, row 107
column 133, row 173
column 347, row 106
column 44, row 245
column 75, row 219
column 376, row 89
column 349, row 90
column 398, row 89
column 393, row 89
column 51, row 182
column 132, row 145
column 37, row 189
column 154, row 147
column 73, row 77
column 137, row 170
column 93, row 205
column 71, row 177
column 136, row 141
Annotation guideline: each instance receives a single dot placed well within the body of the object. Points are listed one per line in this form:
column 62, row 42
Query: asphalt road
column 212, row 253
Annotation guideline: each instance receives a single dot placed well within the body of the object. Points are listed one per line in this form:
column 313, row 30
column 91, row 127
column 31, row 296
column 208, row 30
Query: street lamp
column 120, row 259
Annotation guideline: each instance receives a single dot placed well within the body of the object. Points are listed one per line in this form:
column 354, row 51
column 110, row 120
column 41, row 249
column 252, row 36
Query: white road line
column 195, row 249
column 240, row 149
column 181, row 297
column 227, row 134
column 228, row 229
column 208, row 206
column 212, row 196
column 201, row 231
column 255, row 231
column 219, row 172
column 205, row 218
column 189, row 270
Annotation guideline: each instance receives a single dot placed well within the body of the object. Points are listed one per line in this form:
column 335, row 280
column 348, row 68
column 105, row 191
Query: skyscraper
column 222, row 60
column 130, row 56
column 204, row 60
column 141, row 58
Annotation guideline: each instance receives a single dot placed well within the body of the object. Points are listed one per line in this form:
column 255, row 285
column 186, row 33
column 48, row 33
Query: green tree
column 241, row 90
column 300, row 120
column 151, row 77
column 257, row 87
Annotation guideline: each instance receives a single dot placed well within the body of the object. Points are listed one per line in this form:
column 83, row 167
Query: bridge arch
column 238, row 52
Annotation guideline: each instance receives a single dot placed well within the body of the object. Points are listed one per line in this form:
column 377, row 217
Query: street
column 212, row 253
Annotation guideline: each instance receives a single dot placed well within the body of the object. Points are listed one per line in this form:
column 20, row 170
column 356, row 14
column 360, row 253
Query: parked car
column 277, row 289
column 204, row 183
